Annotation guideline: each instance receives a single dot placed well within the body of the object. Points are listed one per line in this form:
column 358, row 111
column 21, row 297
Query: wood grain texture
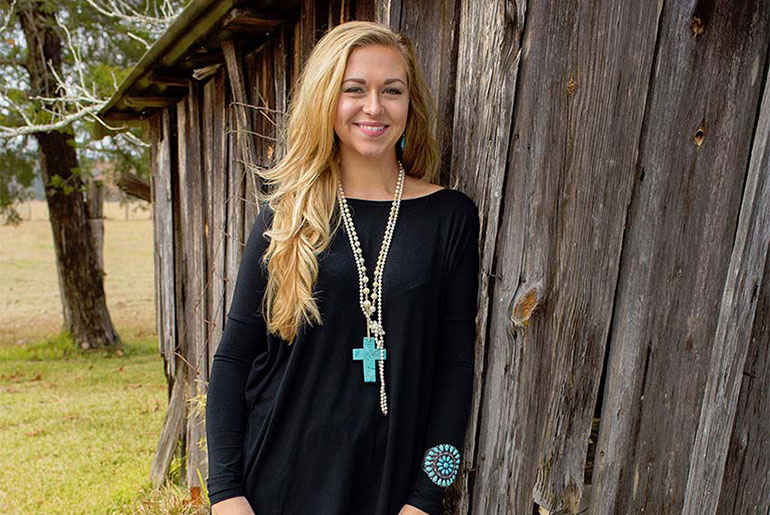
column 436, row 51
column 245, row 141
column 574, row 226
column 483, row 107
column 196, row 354
column 215, row 172
column 734, row 327
column 173, row 427
column 681, row 225
column 746, row 483
column 163, row 236
column 236, row 183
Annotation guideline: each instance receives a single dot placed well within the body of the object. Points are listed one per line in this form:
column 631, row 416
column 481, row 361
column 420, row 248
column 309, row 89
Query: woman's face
column 374, row 92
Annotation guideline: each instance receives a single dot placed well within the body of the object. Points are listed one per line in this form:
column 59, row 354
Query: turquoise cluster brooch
column 441, row 463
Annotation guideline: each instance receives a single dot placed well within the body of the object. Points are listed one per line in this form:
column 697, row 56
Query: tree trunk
column 81, row 282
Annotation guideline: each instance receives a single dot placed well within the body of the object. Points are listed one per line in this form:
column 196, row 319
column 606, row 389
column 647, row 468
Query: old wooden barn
column 619, row 154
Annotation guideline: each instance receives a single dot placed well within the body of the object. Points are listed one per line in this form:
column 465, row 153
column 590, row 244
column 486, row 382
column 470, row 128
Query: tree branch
column 5, row 61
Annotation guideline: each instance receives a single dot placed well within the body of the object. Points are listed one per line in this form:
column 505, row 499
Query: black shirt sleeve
column 244, row 339
column 452, row 390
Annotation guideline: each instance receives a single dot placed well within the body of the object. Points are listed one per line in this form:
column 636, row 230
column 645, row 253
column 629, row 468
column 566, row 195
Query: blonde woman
column 343, row 381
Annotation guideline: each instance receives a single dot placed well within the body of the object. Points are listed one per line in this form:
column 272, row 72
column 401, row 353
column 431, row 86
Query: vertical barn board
column 308, row 30
column 484, row 108
column 681, row 224
column 197, row 354
column 281, row 74
column 236, row 181
column 250, row 77
column 365, row 10
column 215, row 152
column 267, row 91
column 182, row 230
column 246, row 146
column 339, row 12
column 182, row 240
column 155, row 141
column 746, row 483
column 163, row 225
column 436, row 51
column 388, row 12
column 257, row 75
column 734, row 329
column 558, row 247
column 603, row 71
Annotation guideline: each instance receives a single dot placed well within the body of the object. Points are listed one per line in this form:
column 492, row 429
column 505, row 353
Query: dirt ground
column 30, row 307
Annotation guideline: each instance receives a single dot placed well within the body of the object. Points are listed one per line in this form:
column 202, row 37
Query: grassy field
column 78, row 429
column 30, row 303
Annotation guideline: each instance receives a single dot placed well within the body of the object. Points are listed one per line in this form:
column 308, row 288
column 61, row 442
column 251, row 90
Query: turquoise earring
column 403, row 141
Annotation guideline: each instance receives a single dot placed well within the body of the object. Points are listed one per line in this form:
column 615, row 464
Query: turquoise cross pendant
column 368, row 354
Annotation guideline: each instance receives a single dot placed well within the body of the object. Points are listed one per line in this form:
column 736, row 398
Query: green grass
column 78, row 429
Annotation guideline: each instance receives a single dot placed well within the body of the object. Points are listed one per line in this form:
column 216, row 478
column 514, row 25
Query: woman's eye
column 393, row 91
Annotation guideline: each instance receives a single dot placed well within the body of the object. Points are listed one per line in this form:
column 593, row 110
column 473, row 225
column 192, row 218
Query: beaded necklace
column 373, row 349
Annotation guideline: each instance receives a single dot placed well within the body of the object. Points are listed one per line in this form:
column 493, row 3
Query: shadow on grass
column 62, row 347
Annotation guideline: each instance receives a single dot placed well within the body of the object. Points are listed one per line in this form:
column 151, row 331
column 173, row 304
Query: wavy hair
column 302, row 185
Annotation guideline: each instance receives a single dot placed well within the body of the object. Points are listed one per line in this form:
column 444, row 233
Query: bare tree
column 58, row 97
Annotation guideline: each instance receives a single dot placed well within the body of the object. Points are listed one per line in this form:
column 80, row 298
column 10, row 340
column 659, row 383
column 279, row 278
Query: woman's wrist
column 232, row 506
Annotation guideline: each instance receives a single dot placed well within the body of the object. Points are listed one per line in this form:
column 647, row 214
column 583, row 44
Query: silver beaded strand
column 368, row 306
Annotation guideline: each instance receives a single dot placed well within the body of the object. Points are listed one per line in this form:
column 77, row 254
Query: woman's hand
column 232, row 506
column 408, row 509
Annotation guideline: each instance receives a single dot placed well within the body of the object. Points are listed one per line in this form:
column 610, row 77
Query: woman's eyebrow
column 362, row 81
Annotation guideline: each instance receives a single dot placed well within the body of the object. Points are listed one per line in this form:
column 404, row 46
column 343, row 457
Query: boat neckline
column 390, row 201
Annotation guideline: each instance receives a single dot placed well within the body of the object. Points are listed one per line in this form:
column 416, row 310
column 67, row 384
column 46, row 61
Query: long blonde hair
column 302, row 186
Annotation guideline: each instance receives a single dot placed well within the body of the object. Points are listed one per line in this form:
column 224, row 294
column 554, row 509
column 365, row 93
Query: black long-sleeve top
column 294, row 428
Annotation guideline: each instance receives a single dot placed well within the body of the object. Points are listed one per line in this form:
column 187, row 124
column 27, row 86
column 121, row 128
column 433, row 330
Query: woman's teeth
column 372, row 129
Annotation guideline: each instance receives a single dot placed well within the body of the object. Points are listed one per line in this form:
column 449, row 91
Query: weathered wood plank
column 235, row 207
column 734, row 327
column 586, row 202
column 183, row 236
column 388, row 12
column 559, row 237
column 195, row 256
column 436, row 51
column 163, row 236
column 155, row 142
column 363, row 10
column 215, row 152
column 307, row 31
column 478, row 167
column 746, row 483
column 173, row 426
column 281, row 76
column 693, row 154
column 244, row 131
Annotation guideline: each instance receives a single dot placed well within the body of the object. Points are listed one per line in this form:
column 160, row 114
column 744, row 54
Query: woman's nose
column 373, row 106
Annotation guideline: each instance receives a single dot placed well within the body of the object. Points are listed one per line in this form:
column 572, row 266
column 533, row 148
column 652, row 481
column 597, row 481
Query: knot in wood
column 524, row 305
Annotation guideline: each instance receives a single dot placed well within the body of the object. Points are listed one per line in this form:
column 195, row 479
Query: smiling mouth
column 372, row 130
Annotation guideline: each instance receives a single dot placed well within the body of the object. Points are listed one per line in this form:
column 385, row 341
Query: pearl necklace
column 368, row 307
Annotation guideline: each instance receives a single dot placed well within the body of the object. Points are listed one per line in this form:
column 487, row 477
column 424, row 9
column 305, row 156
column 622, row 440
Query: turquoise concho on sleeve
column 441, row 463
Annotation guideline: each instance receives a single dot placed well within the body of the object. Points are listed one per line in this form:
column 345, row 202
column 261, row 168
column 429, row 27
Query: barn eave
column 190, row 49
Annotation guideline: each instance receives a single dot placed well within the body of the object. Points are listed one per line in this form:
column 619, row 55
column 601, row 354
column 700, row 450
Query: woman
column 334, row 390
